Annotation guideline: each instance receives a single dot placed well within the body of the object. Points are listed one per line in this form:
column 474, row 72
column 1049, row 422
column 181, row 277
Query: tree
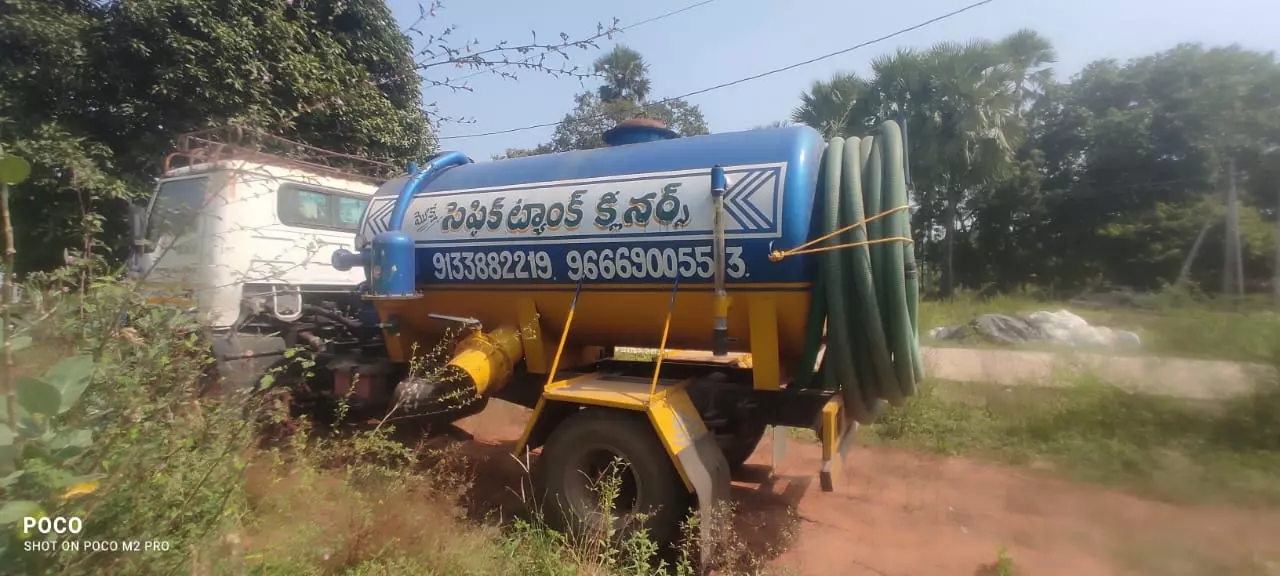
column 95, row 92
column 973, row 107
column 48, row 82
column 1110, row 177
column 626, row 76
column 1028, row 55
column 1137, row 155
column 592, row 114
column 832, row 106
column 958, row 103
column 960, row 107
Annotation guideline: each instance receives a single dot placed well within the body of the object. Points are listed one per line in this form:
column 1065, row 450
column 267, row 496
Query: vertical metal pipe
column 720, row 332
column 564, row 336
column 666, row 331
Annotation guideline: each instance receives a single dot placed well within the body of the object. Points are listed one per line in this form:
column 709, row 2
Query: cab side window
column 349, row 212
column 317, row 208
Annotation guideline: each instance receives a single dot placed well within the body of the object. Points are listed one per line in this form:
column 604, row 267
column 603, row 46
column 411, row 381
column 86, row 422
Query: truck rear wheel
column 584, row 450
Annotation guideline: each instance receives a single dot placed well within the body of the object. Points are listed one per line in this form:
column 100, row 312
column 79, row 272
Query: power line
column 622, row 29
column 754, row 77
column 663, row 16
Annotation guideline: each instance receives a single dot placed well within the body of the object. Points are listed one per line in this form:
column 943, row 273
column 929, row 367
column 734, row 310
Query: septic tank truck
column 774, row 243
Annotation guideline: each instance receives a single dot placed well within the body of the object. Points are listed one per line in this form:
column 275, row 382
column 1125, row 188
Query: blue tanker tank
column 653, row 199
column 771, row 242
column 514, row 242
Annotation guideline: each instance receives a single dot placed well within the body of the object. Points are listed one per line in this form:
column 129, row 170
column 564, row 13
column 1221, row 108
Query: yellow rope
column 778, row 255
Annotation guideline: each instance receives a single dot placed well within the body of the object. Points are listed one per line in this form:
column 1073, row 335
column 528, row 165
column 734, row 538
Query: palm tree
column 962, row 106
column 1028, row 55
column 898, row 77
column 972, row 106
column 626, row 75
column 834, row 107
column 901, row 81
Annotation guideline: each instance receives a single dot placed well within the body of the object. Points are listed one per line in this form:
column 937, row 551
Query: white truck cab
column 218, row 233
column 244, row 238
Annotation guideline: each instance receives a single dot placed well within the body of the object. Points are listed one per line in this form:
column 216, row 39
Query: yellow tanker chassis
column 593, row 390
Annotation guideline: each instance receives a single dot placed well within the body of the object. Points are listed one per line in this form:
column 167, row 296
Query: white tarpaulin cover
column 1061, row 327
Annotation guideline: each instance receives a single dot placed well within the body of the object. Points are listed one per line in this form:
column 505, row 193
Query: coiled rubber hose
column 865, row 295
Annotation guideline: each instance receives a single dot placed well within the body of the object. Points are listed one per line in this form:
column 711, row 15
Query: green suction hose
column 865, row 292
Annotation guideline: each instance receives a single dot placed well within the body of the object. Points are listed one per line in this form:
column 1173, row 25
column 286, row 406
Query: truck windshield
column 174, row 212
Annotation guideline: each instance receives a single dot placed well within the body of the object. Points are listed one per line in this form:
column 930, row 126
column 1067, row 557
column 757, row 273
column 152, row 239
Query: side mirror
column 138, row 224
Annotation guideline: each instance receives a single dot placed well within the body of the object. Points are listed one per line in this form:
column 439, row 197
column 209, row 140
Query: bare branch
column 504, row 59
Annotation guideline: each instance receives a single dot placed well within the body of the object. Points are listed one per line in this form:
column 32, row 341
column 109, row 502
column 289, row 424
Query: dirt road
column 1181, row 377
column 904, row 514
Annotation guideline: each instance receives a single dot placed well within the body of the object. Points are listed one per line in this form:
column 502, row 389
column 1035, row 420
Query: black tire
column 581, row 447
column 742, row 444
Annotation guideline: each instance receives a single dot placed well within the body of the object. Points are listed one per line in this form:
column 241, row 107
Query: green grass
column 1162, row 447
column 233, row 499
column 237, row 486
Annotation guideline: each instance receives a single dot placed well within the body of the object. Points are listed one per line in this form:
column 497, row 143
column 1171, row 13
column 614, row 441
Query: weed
column 1004, row 562
column 235, row 484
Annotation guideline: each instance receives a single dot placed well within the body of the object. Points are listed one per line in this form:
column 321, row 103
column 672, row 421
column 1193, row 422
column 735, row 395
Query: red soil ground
column 900, row 513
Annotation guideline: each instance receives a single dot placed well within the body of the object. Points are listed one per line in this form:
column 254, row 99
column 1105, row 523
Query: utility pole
column 1269, row 153
column 1232, row 266
column 1239, row 246
column 1275, row 274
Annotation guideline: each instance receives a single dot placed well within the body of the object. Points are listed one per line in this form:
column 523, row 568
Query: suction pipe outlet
column 392, row 266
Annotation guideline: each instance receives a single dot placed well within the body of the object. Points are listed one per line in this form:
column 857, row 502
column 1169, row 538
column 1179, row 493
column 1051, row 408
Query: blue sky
column 729, row 39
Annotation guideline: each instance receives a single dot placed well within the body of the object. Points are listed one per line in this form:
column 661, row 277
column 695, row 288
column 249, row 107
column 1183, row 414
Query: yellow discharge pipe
column 482, row 363
column 485, row 360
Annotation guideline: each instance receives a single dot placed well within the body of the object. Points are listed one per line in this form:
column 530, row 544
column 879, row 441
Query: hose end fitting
column 720, row 341
column 720, row 327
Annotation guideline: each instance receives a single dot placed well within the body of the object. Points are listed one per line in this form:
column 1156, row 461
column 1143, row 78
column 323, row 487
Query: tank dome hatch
column 637, row 130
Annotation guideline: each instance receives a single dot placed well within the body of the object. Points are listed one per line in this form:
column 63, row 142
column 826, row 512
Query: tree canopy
column 1109, row 176
column 1018, row 177
column 95, row 92
column 622, row 96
